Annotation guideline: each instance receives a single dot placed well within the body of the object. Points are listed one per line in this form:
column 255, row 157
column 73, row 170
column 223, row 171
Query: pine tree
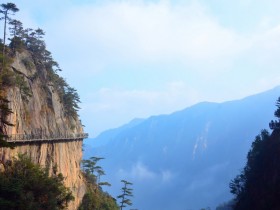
column 6, row 8
column 93, row 171
column 275, row 124
column 17, row 34
column 257, row 186
column 126, row 192
column 95, row 198
column 277, row 112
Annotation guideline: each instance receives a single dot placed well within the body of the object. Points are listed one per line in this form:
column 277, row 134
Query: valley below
column 187, row 159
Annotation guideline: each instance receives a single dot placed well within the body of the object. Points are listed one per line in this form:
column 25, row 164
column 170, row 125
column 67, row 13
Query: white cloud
column 138, row 172
column 134, row 31
column 112, row 98
column 114, row 34
column 99, row 43
column 166, row 175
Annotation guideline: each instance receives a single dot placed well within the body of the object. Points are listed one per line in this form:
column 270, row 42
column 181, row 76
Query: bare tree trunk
column 4, row 41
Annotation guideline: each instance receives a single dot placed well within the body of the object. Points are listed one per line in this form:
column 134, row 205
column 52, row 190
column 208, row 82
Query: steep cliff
column 38, row 109
column 43, row 112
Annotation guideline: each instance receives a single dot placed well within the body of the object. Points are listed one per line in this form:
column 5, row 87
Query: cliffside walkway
column 26, row 138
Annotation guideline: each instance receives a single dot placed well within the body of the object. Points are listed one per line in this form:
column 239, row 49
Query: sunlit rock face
column 43, row 114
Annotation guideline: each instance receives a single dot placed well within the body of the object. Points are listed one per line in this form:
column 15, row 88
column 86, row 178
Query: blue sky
column 139, row 58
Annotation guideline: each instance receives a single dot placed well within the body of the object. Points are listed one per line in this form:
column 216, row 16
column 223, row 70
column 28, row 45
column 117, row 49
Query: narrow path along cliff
column 46, row 125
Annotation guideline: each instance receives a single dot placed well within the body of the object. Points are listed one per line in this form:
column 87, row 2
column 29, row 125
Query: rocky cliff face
column 42, row 113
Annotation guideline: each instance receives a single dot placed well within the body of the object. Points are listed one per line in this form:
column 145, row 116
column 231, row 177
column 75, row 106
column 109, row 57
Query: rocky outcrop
column 43, row 113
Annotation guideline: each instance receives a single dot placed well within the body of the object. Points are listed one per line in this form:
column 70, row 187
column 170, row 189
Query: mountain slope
column 110, row 134
column 185, row 160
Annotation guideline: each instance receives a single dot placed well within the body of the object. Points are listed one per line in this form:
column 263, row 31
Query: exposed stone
column 44, row 113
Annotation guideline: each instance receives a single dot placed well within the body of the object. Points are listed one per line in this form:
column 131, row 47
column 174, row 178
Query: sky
column 136, row 58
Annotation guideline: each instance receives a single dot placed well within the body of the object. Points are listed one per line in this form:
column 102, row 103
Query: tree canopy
column 277, row 112
column 5, row 8
column 258, row 184
column 126, row 193
column 95, row 197
column 26, row 186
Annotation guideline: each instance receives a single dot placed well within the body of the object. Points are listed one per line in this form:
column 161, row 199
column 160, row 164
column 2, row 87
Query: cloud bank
column 138, row 58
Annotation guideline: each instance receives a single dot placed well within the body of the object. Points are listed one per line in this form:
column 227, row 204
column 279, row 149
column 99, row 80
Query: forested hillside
column 257, row 186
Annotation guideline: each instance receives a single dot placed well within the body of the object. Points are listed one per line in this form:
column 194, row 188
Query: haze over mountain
column 184, row 160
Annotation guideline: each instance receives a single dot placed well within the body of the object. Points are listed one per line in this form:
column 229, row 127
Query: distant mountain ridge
column 193, row 153
column 110, row 134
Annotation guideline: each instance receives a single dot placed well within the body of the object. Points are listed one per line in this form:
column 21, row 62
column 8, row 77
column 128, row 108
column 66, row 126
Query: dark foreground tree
column 277, row 112
column 126, row 192
column 258, row 185
column 275, row 124
column 26, row 186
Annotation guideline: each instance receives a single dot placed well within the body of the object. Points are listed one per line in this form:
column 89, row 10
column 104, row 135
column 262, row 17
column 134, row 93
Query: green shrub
column 26, row 186
column 27, row 63
column 96, row 199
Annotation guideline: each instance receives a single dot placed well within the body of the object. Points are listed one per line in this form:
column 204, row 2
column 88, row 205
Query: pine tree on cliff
column 93, row 172
column 126, row 192
column 16, row 28
column 6, row 8
column 94, row 197
column 257, row 186
column 17, row 33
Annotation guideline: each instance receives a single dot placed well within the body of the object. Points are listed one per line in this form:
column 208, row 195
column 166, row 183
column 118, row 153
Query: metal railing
column 22, row 138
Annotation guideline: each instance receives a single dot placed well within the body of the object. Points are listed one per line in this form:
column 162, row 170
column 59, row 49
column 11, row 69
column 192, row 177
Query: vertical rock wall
column 43, row 113
column 66, row 156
